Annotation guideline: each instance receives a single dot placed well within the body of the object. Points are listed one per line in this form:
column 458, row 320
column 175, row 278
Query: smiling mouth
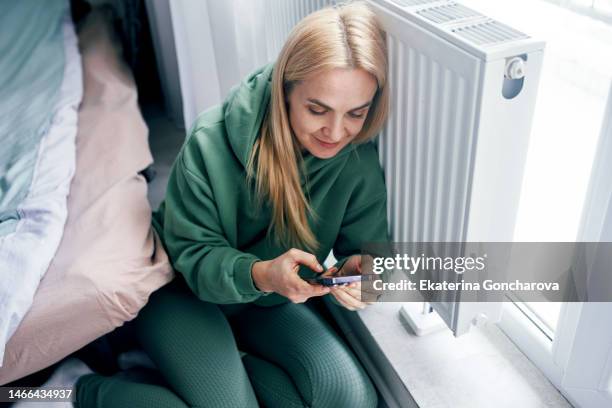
column 326, row 144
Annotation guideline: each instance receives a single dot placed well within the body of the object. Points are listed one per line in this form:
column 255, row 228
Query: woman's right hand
column 280, row 275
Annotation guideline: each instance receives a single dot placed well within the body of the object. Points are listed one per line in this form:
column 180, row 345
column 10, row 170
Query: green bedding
column 31, row 73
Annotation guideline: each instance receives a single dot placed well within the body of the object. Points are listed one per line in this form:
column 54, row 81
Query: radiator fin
column 410, row 3
column 426, row 146
column 445, row 13
column 467, row 24
column 489, row 32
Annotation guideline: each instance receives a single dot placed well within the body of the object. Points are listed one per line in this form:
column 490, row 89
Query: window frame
column 548, row 355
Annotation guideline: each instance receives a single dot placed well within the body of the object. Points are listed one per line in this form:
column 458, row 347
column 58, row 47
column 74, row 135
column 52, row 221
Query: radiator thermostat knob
column 515, row 68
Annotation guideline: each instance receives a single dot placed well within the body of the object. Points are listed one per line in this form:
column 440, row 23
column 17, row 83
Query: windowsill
column 480, row 369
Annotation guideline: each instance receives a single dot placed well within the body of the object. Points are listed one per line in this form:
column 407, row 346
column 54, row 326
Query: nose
column 334, row 131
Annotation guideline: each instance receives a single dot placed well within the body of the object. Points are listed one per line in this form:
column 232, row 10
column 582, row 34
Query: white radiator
column 455, row 144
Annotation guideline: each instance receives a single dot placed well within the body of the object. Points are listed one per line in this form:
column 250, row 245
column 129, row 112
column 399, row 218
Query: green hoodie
column 209, row 222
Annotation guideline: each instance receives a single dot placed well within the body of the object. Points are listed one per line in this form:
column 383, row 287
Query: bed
column 106, row 259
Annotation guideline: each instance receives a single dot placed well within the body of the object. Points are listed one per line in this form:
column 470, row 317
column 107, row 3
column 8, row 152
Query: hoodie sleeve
column 193, row 236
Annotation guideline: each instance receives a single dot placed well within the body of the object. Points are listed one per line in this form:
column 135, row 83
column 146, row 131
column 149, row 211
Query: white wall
column 216, row 44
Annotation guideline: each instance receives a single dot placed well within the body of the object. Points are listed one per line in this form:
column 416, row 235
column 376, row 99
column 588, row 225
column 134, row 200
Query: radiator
column 463, row 89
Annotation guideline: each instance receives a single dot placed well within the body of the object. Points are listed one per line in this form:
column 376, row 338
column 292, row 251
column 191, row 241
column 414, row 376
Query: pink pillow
column 110, row 259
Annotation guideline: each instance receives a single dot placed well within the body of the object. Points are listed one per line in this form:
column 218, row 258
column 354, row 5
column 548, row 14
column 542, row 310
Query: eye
column 316, row 111
column 357, row 115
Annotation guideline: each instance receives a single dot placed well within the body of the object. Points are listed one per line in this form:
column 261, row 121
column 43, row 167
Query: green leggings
column 294, row 359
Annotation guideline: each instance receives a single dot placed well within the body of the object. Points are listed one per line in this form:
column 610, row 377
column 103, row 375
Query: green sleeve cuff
column 243, row 278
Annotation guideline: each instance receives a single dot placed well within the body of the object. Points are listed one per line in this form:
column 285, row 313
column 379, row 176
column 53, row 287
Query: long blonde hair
column 346, row 36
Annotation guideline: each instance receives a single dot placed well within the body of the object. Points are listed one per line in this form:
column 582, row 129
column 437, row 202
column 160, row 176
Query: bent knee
column 336, row 379
column 350, row 388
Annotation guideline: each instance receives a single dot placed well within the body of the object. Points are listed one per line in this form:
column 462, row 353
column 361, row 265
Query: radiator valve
column 515, row 68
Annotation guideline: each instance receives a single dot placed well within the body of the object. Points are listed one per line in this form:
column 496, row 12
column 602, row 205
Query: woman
column 265, row 186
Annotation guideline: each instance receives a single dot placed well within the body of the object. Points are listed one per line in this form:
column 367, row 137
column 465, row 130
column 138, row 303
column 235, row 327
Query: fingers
column 364, row 296
column 306, row 259
column 356, row 290
column 318, row 290
column 330, row 272
column 312, row 291
column 299, row 290
column 302, row 291
column 334, row 292
column 347, row 299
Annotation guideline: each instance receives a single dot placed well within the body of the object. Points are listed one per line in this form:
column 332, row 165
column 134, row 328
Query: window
column 562, row 339
column 544, row 315
column 598, row 9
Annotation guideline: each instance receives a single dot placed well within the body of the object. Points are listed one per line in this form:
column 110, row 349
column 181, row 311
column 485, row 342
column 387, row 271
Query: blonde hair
column 346, row 36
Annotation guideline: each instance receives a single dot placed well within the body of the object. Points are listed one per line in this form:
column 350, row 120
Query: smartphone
column 339, row 280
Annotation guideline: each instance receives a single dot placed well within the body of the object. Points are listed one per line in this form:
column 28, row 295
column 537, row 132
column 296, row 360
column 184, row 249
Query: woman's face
column 328, row 110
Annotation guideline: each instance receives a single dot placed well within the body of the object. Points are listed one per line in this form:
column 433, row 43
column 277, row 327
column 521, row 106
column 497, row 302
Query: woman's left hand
column 348, row 296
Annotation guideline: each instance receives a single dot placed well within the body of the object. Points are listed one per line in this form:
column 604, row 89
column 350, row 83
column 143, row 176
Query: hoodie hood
column 244, row 110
